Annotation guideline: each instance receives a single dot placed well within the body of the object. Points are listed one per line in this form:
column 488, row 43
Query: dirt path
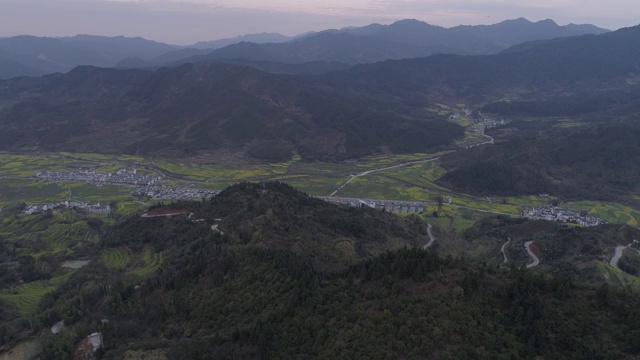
column 365, row 173
column 504, row 254
column 536, row 261
column 431, row 238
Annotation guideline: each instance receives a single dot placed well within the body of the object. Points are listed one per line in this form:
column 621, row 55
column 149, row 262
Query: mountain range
column 35, row 56
column 368, row 109
column 400, row 40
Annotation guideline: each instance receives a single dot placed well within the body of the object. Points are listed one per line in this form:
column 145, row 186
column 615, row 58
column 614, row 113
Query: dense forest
column 254, row 291
column 216, row 301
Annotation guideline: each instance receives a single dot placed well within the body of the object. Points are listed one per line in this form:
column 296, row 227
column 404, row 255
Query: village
column 480, row 124
column 553, row 213
column 393, row 206
column 165, row 192
column 120, row 177
column 92, row 208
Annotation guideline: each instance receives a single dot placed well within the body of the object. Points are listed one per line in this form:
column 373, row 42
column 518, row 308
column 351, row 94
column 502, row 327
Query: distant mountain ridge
column 399, row 40
column 260, row 38
column 36, row 56
column 371, row 108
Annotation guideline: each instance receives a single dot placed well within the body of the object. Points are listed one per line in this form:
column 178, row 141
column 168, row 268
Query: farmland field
column 117, row 258
column 150, row 262
column 27, row 296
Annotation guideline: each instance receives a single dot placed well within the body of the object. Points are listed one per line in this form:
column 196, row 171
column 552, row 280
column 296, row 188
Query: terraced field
column 151, row 261
column 58, row 232
column 61, row 237
column 27, row 296
column 118, row 258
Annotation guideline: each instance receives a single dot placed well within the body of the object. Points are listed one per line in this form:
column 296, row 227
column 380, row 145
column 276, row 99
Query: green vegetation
column 617, row 278
column 28, row 296
column 630, row 262
column 614, row 213
column 289, row 264
column 262, row 302
column 116, row 258
column 150, row 262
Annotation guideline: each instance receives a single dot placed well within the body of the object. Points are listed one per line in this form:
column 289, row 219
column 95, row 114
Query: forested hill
column 262, row 297
column 599, row 162
column 276, row 216
column 203, row 108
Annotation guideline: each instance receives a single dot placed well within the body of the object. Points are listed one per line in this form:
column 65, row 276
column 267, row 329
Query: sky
column 185, row 22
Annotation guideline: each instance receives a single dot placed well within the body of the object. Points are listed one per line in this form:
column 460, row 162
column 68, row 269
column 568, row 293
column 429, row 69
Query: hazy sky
column 188, row 21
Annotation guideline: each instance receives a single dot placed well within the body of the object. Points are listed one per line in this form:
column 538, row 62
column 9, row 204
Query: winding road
column 536, row 261
column 504, row 254
column 616, row 257
column 489, row 141
column 364, row 173
column 431, row 238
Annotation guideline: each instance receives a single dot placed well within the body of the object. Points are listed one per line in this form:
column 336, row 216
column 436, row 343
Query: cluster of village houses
column 393, row 206
column 553, row 213
column 120, row 177
column 92, row 208
column 479, row 125
column 174, row 193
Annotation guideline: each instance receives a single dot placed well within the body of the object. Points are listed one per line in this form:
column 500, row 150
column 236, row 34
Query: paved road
column 490, row 141
column 431, row 238
column 504, row 254
column 536, row 261
column 364, row 173
column 616, row 257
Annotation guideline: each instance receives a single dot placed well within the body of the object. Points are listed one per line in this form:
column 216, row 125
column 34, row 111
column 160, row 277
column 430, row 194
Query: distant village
column 174, row 193
column 144, row 186
column 480, row 124
column 92, row 208
column 394, row 206
column 120, row 177
column 553, row 213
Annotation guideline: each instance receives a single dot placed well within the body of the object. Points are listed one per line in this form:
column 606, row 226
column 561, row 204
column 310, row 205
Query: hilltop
column 276, row 216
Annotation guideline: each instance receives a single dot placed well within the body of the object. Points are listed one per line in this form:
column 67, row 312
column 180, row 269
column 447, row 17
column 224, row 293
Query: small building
column 95, row 339
column 57, row 327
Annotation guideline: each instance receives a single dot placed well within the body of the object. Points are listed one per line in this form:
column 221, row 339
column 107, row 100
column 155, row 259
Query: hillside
column 599, row 162
column 264, row 293
column 202, row 108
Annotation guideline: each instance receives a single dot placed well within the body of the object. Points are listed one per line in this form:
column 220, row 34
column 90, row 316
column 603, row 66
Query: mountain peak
column 547, row 22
